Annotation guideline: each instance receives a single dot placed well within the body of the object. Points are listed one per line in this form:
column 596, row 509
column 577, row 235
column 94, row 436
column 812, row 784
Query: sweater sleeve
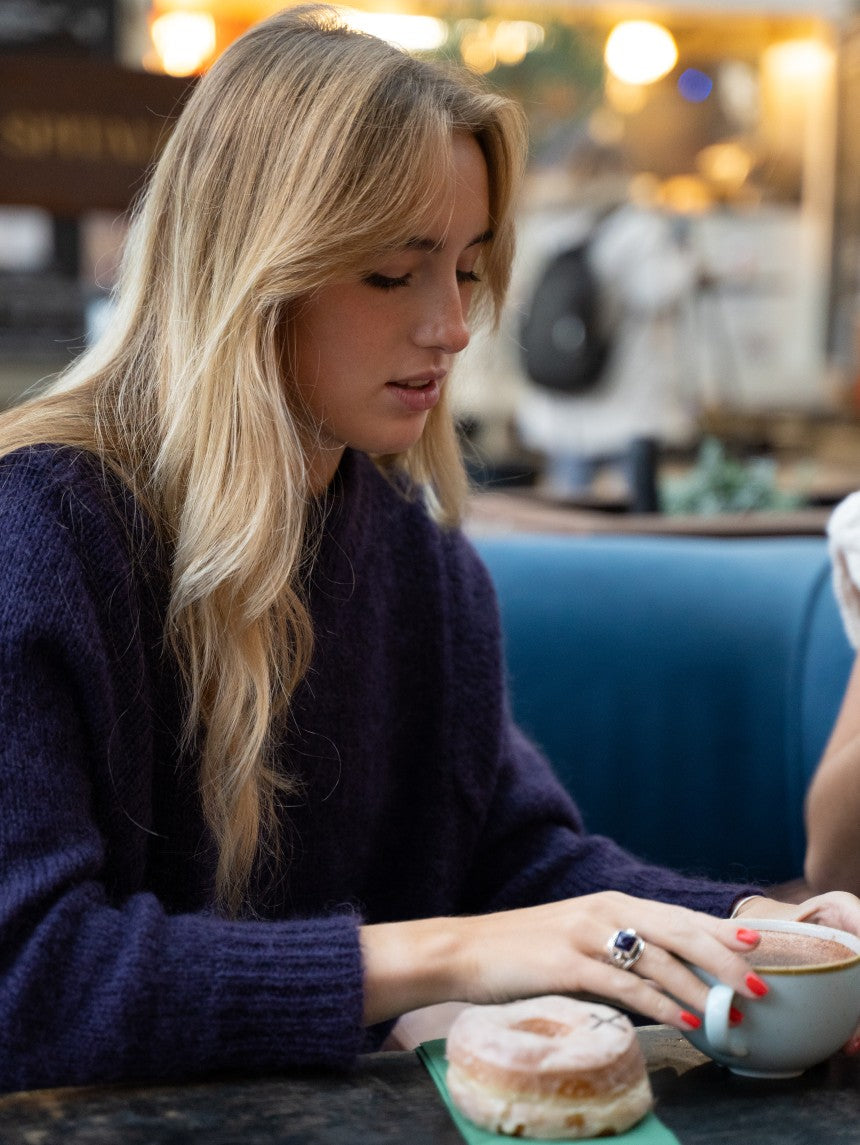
column 95, row 984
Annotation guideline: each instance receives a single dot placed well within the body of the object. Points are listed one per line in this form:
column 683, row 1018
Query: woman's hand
column 838, row 909
column 558, row 948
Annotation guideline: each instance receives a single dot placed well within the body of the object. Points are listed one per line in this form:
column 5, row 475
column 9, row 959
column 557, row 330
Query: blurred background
column 683, row 333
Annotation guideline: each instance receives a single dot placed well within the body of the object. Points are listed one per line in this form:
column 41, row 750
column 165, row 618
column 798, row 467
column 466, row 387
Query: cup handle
column 722, row 1037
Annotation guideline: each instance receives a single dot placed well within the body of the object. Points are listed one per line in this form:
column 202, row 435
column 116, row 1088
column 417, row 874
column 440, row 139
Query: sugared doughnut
column 547, row 1067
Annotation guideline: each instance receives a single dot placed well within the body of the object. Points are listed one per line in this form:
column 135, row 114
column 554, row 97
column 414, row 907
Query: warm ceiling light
column 798, row 61
column 183, row 41
column 640, row 52
column 412, row 33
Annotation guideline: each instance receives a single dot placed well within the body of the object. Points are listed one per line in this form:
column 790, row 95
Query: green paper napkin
column 649, row 1131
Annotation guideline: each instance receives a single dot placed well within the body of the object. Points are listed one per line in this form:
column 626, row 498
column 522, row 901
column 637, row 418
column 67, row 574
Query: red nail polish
column 750, row 937
column 735, row 1016
column 755, row 984
column 690, row 1020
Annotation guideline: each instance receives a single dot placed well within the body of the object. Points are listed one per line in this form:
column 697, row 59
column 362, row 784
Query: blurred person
column 594, row 353
column 833, row 799
column 262, row 790
column 606, row 357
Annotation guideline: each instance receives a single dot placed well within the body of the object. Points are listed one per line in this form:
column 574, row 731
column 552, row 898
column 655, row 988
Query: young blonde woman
column 262, row 791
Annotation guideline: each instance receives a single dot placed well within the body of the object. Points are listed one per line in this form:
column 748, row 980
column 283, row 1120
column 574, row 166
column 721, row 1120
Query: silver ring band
column 625, row 948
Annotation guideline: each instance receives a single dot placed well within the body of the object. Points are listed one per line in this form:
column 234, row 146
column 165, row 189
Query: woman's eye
column 468, row 276
column 386, row 282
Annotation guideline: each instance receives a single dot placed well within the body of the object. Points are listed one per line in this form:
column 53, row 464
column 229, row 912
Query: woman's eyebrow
column 431, row 245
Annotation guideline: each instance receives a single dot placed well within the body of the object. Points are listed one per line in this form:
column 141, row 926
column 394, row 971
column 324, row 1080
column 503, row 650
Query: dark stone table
column 390, row 1099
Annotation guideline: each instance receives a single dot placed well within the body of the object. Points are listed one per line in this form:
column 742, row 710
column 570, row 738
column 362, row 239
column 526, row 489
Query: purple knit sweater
column 420, row 797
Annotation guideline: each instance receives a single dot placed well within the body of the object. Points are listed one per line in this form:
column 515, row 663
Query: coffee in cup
column 784, row 950
column 810, row 1011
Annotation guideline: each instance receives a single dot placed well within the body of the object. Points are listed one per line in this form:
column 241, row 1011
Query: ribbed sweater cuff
column 276, row 994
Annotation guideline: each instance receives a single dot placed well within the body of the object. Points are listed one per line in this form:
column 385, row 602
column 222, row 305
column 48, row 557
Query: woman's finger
column 674, row 978
column 634, row 993
column 721, row 954
column 676, row 938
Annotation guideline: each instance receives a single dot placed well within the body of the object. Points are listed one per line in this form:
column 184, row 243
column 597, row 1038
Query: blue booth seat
column 683, row 688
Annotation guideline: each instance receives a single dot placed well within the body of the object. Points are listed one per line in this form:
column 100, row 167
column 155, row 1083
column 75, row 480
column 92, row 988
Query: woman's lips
column 420, row 393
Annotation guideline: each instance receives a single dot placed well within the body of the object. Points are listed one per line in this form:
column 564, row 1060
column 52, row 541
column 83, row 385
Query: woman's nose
column 445, row 326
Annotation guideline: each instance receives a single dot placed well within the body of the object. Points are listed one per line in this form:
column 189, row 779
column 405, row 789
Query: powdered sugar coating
column 548, row 1067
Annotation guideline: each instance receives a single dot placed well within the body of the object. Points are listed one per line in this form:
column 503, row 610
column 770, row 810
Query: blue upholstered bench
column 682, row 688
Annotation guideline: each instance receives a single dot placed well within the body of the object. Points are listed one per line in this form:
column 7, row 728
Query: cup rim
column 797, row 926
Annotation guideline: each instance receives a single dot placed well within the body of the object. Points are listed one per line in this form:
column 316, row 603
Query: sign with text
column 78, row 134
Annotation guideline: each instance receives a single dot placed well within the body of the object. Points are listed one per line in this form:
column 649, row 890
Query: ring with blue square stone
column 625, row 948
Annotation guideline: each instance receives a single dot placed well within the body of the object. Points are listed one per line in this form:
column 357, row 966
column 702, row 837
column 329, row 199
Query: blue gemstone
column 625, row 941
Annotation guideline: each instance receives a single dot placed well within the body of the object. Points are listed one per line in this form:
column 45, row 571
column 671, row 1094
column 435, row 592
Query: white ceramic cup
column 808, row 1013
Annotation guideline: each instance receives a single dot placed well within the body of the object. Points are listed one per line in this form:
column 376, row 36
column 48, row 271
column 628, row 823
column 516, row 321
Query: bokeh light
column 413, row 33
column 695, row 86
column 640, row 51
column 184, row 41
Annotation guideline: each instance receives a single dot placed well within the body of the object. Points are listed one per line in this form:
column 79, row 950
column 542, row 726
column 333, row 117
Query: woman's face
column 370, row 356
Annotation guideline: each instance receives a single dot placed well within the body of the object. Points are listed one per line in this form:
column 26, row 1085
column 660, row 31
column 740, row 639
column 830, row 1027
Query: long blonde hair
column 303, row 153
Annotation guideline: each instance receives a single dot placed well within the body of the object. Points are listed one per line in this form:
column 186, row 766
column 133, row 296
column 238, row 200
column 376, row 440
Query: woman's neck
column 323, row 463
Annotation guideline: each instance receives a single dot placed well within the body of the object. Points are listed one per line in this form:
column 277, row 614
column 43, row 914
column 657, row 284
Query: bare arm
column 561, row 948
column 833, row 802
column 554, row 948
